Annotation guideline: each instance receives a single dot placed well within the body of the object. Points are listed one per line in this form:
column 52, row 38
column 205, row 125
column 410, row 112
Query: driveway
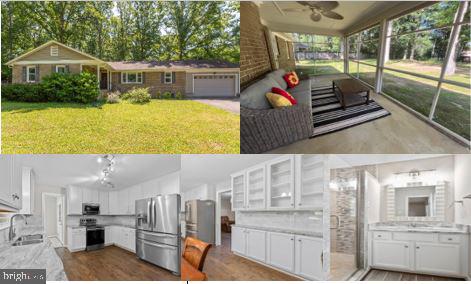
column 230, row 104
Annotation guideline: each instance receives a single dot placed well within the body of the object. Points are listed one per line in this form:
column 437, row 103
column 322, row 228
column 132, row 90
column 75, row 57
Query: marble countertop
column 34, row 256
column 422, row 228
column 282, row 230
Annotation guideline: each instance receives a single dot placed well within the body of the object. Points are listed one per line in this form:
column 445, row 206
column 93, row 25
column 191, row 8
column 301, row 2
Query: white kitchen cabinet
column 438, row 258
column 256, row 244
column 123, row 201
column 280, row 250
column 134, row 194
column 256, row 185
column 238, row 191
column 28, row 184
column 113, row 203
column 104, row 204
column 74, row 200
column 311, row 176
column 77, row 239
column 108, row 236
column 309, row 257
column 90, row 196
column 131, row 239
column 391, row 254
column 238, row 242
column 16, row 190
column 280, row 183
column 10, row 184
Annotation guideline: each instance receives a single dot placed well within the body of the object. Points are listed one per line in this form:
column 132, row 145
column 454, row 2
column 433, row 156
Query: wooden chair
column 194, row 254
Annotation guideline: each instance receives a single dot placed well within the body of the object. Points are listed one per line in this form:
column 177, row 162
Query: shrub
column 166, row 96
column 137, row 96
column 156, row 95
column 24, row 93
column 78, row 88
column 113, row 97
column 179, row 96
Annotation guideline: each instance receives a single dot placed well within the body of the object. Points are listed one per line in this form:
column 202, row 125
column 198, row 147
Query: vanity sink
column 28, row 240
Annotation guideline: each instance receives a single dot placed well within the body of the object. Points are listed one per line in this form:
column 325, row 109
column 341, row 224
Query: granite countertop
column 421, row 227
column 33, row 256
column 281, row 230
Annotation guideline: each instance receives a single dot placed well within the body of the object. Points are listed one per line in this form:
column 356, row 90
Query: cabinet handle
column 450, row 239
column 299, row 204
column 15, row 196
column 299, row 240
column 292, row 239
column 379, row 236
column 417, row 247
column 406, row 246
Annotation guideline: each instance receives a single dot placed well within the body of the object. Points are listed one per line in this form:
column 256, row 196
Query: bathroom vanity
column 420, row 248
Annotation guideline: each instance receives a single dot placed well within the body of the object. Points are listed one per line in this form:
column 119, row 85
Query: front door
column 104, row 81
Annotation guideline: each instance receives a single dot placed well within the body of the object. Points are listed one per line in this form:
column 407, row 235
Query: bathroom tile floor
column 384, row 275
column 342, row 266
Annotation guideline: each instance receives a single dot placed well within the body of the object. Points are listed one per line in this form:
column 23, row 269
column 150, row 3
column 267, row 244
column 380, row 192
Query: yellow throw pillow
column 277, row 100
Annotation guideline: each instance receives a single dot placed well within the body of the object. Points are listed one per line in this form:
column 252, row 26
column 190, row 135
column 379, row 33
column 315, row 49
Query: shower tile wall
column 344, row 238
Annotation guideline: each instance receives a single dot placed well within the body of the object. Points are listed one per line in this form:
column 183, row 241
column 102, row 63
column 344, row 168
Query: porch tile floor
column 401, row 132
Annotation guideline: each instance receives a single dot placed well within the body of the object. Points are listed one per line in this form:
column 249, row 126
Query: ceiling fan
column 319, row 9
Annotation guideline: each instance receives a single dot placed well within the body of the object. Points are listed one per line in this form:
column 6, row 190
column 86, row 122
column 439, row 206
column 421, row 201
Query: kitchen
column 95, row 235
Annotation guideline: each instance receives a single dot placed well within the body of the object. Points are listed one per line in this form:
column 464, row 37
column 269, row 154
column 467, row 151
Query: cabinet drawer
column 449, row 238
column 423, row 237
column 382, row 235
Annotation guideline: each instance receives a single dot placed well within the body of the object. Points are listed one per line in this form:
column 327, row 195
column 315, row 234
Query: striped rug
column 329, row 116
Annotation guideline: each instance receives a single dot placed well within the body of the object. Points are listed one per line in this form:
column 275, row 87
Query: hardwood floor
column 384, row 275
column 110, row 263
column 222, row 265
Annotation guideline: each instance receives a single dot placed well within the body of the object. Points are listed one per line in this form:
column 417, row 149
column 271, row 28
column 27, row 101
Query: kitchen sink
column 28, row 240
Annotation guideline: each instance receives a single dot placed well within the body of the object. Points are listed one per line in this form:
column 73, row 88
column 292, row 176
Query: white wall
column 444, row 167
column 463, row 188
column 373, row 198
column 51, row 215
column 38, row 207
column 168, row 184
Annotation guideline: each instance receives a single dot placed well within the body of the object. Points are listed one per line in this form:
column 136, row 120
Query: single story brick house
column 198, row 78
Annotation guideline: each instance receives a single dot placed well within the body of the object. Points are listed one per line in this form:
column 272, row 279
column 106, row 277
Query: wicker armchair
column 264, row 129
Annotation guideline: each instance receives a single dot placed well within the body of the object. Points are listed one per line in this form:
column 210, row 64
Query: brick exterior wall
column 44, row 70
column 285, row 56
column 254, row 54
column 152, row 81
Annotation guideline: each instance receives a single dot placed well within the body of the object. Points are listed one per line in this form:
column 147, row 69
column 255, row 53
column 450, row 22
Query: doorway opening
column 53, row 218
column 225, row 218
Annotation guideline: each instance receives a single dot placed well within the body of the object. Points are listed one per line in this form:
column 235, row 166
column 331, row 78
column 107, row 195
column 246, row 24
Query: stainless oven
column 90, row 208
column 95, row 237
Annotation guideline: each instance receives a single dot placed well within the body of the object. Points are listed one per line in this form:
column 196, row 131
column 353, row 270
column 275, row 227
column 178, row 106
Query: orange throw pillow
column 284, row 94
column 291, row 79
column 277, row 101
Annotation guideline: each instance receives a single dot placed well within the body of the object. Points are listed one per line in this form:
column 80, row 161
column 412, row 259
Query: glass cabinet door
column 310, row 181
column 256, row 188
column 238, row 191
column 281, row 183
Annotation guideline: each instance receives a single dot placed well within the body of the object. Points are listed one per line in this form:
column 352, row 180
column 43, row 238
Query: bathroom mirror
column 415, row 201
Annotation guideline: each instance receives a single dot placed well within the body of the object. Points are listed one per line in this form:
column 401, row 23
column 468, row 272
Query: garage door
column 214, row 85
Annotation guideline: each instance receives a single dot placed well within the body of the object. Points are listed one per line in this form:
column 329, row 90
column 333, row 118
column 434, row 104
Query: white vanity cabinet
column 434, row 253
column 256, row 244
column 238, row 191
column 309, row 257
column 280, row 183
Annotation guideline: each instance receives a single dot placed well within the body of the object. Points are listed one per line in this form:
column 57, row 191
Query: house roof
column 176, row 64
column 47, row 44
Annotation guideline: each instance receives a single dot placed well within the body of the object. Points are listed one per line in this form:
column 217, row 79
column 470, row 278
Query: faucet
column 11, row 233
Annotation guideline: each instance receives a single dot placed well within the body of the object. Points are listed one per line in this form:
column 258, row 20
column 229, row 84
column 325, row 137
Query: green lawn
column 453, row 108
column 161, row 126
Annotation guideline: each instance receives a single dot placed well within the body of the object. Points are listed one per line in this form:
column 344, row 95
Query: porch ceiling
column 355, row 13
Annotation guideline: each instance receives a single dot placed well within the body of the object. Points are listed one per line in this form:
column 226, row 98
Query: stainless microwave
column 90, row 208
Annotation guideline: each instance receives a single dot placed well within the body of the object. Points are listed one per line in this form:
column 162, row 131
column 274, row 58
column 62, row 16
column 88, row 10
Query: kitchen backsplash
column 103, row 220
column 295, row 220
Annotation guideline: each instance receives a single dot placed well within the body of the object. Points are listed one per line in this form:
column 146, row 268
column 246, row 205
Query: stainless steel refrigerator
column 200, row 220
column 158, row 231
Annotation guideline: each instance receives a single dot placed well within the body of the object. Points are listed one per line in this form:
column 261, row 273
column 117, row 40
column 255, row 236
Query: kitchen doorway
column 53, row 218
column 225, row 217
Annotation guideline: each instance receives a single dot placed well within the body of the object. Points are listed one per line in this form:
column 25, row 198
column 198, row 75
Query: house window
column 131, row 77
column 31, row 74
column 60, row 69
column 54, row 50
column 168, row 78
